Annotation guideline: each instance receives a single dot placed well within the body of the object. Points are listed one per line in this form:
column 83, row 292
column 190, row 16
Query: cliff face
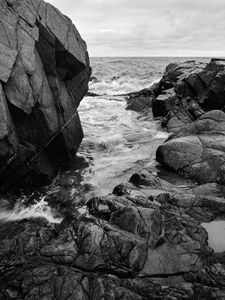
column 44, row 75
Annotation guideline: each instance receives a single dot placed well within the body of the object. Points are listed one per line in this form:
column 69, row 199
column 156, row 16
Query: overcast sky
column 149, row 27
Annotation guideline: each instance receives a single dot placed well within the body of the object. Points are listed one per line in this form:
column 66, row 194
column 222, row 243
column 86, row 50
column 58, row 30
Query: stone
column 142, row 100
column 130, row 245
column 197, row 149
column 164, row 103
column 44, row 74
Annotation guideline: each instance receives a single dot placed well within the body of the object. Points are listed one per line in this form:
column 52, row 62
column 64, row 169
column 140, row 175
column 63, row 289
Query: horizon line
column 155, row 56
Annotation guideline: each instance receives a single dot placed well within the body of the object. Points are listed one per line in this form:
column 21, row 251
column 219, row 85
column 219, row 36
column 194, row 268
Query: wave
column 118, row 85
column 40, row 209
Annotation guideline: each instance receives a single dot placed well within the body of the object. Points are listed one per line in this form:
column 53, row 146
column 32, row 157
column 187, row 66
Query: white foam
column 216, row 235
column 83, row 210
column 162, row 135
column 119, row 86
column 37, row 210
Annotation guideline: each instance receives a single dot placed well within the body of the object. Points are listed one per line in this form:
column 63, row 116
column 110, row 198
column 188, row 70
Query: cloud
column 149, row 27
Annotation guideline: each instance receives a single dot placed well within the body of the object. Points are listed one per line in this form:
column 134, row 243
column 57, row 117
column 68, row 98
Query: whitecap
column 162, row 135
column 40, row 209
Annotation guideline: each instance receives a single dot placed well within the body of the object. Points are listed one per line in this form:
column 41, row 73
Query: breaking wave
column 20, row 211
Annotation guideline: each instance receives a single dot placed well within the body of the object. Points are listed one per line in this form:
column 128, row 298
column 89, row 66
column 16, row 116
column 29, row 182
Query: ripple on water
column 119, row 141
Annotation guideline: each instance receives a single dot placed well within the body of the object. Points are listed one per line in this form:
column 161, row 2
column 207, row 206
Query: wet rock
column 142, row 100
column 139, row 103
column 45, row 73
column 135, row 245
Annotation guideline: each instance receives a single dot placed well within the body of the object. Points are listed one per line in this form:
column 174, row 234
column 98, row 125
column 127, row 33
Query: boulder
column 44, row 75
column 197, row 150
column 164, row 103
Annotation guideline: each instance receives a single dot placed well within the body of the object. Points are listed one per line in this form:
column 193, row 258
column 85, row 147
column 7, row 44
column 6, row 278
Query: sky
column 149, row 27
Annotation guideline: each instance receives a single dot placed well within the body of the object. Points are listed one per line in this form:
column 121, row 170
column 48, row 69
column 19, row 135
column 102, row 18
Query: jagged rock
column 142, row 100
column 136, row 245
column 201, row 84
column 164, row 103
column 176, row 72
column 44, row 75
column 187, row 112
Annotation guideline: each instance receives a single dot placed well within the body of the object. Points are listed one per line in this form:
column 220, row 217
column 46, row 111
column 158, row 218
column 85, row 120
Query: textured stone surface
column 44, row 75
column 197, row 150
column 190, row 98
column 139, row 245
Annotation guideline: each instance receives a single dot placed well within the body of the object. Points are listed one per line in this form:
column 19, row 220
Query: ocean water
column 120, row 142
column 117, row 142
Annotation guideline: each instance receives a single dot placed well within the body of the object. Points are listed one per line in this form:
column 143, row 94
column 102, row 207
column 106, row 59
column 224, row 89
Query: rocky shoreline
column 148, row 238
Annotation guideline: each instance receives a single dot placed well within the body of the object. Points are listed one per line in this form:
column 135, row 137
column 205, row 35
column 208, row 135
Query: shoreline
column 145, row 238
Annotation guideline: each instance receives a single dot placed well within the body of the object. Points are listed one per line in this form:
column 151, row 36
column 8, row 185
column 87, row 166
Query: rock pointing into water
column 191, row 99
column 44, row 75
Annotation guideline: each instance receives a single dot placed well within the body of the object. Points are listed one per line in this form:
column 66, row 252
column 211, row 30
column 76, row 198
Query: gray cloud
column 149, row 27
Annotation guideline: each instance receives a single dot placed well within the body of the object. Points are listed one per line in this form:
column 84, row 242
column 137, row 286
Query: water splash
column 40, row 209
column 119, row 142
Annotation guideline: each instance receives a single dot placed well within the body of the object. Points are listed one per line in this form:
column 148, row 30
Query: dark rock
column 135, row 245
column 90, row 94
column 44, row 75
column 142, row 100
column 164, row 103
column 139, row 103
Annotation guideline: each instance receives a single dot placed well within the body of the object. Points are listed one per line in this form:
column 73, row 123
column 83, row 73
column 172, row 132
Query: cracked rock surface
column 136, row 245
column 44, row 75
column 191, row 99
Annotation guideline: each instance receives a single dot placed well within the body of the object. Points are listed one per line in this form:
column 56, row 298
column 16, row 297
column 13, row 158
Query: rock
column 188, row 90
column 178, row 71
column 133, row 244
column 142, row 100
column 164, row 103
column 45, row 74
column 139, row 103
column 212, row 189
column 90, row 94
column 187, row 112
column 197, row 149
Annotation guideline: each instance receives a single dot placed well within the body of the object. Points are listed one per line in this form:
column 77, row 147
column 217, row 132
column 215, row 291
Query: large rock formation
column 44, row 75
column 196, row 149
column 141, row 242
column 191, row 98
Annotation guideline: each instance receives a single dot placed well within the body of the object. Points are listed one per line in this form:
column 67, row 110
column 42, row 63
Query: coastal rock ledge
column 44, row 75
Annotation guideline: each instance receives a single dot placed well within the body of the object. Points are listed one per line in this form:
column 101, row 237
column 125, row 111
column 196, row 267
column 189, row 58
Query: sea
column 117, row 142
